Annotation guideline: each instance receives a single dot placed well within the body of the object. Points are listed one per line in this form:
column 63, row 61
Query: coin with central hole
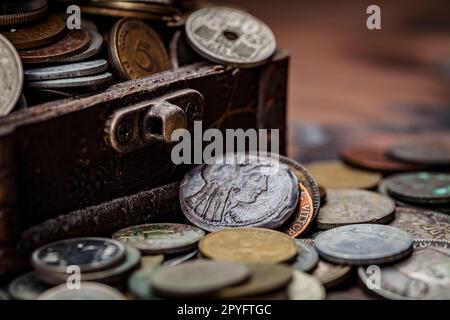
column 161, row 238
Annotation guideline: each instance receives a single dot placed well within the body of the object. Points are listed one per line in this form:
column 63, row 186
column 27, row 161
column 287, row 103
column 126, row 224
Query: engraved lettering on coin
column 304, row 216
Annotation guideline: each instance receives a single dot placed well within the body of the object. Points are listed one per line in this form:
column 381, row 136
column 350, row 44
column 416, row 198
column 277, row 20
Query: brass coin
column 23, row 17
column 305, row 287
column 264, row 278
column 37, row 34
column 304, row 216
column 136, row 50
column 334, row 174
column 248, row 245
column 331, row 275
column 72, row 43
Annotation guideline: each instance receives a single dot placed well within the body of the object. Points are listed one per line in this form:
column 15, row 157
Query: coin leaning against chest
column 243, row 191
column 364, row 244
column 351, row 206
column 136, row 50
column 11, row 76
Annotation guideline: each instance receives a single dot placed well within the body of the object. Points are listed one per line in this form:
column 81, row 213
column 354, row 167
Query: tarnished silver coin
column 305, row 287
column 79, row 69
column 239, row 191
column 422, row 223
column 198, row 278
column 27, row 287
column 424, row 152
column 364, row 244
column 11, row 76
column 174, row 261
column 95, row 80
column 88, row 291
column 161, row 238
column 89, row 254
column 140, row 284
column 425, row 275
column 230, row 36
column 95, row 46
column 353, row 206
column 307, row 258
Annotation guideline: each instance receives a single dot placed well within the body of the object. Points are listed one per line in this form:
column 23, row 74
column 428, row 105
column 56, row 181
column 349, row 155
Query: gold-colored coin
column 335, row 174
column 249, row 245
column 151, row 261
column 305, row 287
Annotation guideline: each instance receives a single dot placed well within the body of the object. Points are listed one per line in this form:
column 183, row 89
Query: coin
column 353, row 292
column 151, row 8
column 305, row 287
column 88, row 291
column 181, row 258
column 352, row 206
column 375, row 159
column 249, row 245
column 364, row 244
column 230, row 36
column 420, row 187
column 88, row 81
column 264, row 278
column 181, row 53
column 152, row 261
column 239, row 193
column 39, row 34
column 425, row 275
column 198, row 278
column 323, row 195
column 161, row 238
column 89, row 254
column 136, row 50
column 307, row 258
column 10, row 7
column 330, row 274
column 334, row 174
column 95, row 46
column 23, row 17
column 73, row 42
column 11, row 76
column 111, row 12
column 304, row 217
column 27, row 287
column 423, row 224
column 3, row 295
column 426, row 152
column 140, row 284
column 79, row 69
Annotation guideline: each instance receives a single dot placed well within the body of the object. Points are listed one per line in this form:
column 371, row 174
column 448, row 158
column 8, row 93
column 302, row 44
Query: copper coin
column 72, row 43
column 136, row 50
column 304, row 215
column 23, row 17
column 374, row 159
column 425, row 152
column 37, row 34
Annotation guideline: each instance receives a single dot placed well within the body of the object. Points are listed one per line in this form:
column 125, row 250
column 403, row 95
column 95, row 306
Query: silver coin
column 307, row 258
column 425, row 275
column 181, row 259
column 140, row 284
column 230, row 36
column 3, row 295
column 95, row 46
column 423, row 224
column 160, row 238
column 27, row 287
column 11, row 76
column 352, row 206
column 79, row 69
column 243, row 191
column 89, row 254
column 88, row 291
column 96, row 80
column 198, row 278
column 364, row 244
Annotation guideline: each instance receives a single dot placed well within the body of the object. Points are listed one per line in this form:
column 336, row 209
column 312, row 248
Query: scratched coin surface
column 248, row 245
column 95, row 45
column 420, row 187
column 427, row 152
column 425, row 275
column 243, row 191
column 334, row 174
column 230, row 36
column 79, row 69
column 198, row 278
column 87, row 291
column 305, row 287
column 352, row 206
column 37, row 34
column 11, row 76
column 161, row 238
column 27, row 287
column 422, row 223
column 89, row 254
column 307, row 257
column 136, row 50
column 364, row 244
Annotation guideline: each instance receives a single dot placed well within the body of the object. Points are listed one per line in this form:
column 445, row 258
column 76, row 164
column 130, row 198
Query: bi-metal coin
column 353, row 206
column 72, row 70
column 27, row 287
column 425, row 275
column 305, row 287
column 87, row 291
column 364, row 244
column 307, row 258
column 239, row 190
column 161, row 238
column 230, row 36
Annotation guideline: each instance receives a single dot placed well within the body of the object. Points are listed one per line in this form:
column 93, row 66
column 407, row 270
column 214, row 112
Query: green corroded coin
column 420, row 187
